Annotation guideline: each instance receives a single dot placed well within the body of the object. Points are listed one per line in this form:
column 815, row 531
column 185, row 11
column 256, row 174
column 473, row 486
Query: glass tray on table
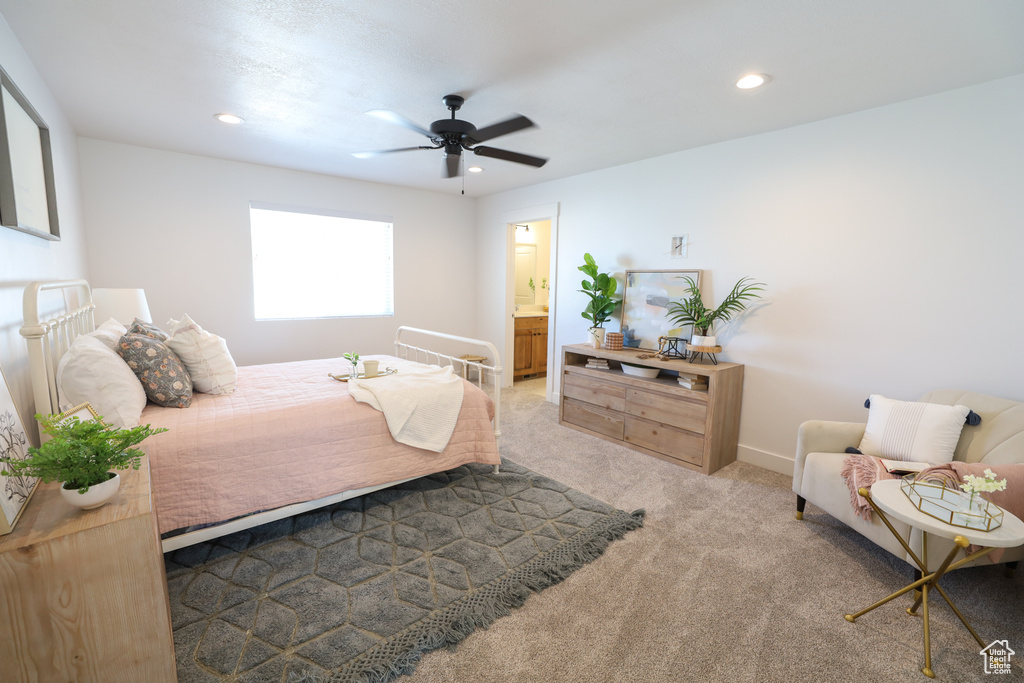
column 951, row 505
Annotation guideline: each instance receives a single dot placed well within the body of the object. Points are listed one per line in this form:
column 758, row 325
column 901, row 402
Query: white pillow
column 905, row 430
column 91, row 372
column 205, row 355
column 109, row 333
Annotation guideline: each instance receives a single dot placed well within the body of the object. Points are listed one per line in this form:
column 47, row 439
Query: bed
column 289, row 439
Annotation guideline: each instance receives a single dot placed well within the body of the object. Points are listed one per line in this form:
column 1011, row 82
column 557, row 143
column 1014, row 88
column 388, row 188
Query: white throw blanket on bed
column 420, row 407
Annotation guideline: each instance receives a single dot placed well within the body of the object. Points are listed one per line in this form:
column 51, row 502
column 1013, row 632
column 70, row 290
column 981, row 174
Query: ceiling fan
column 455, row 135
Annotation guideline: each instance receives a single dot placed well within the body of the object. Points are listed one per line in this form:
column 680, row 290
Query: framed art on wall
column 645, row 305
column 27, row 198
column 14, row 490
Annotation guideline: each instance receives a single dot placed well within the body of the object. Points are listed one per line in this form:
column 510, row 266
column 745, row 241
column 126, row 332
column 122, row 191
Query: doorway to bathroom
column 531, row 313
column 532, row 299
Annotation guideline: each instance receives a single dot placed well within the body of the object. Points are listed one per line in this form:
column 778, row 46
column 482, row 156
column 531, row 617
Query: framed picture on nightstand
column 83, row 412
column 16, row 490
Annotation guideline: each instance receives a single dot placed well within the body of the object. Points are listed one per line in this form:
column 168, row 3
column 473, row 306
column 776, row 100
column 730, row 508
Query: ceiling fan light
column 752, row 81
column 229, row 118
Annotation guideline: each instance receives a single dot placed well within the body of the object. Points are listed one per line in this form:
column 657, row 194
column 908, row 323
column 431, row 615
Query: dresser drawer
column 532, row 322
column 592, row 417
column 611, row 396
column 670, row 410
column 664, row 439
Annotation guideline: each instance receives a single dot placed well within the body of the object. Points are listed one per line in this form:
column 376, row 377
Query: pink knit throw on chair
column 861, row 471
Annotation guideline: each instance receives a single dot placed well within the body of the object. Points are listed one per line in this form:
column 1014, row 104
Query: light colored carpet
column 721, row 584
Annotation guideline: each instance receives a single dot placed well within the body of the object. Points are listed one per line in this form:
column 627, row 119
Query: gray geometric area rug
column 356, row 592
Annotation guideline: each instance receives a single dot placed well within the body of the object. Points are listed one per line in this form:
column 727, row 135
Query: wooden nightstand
column 83, row 595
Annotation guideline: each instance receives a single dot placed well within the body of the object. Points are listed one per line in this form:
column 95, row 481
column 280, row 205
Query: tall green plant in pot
column 82, row 455
column 601, row 288
column 692, row 311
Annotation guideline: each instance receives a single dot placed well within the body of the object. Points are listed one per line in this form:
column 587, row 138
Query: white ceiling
column 606, row 81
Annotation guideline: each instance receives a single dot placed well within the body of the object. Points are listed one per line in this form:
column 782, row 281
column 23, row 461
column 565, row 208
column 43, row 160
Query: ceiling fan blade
column 506, row 155
column 399, row 120
column 378, row 152
column 451, row 165
column 500, row 128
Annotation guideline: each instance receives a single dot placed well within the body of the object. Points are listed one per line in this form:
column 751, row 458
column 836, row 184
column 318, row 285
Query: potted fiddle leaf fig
column 601, row 289
column 692, row 311
column 82, row 454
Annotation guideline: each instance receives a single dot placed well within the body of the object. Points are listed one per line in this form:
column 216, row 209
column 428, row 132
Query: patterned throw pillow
column 163, row 377
column 147, row 330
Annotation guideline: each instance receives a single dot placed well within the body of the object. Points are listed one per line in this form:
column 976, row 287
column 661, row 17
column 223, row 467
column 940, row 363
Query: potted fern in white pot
column 82, row 454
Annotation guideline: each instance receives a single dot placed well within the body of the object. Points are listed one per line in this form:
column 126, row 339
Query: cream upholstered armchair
column 820, row 451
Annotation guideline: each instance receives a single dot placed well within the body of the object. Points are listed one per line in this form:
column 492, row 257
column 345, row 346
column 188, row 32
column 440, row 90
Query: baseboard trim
column 769, row 461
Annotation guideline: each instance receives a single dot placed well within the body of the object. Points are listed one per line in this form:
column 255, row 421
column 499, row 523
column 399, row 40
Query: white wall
column 25, row 258
column 890, row 241
column 178, row 226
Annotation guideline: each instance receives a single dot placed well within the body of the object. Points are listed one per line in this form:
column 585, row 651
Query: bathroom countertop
column 530, row 314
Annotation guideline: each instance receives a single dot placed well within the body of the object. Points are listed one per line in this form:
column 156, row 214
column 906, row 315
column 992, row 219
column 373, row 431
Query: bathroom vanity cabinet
column 697, row 429
column 531, row 346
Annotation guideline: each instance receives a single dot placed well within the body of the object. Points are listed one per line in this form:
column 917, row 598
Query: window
column 320, row 265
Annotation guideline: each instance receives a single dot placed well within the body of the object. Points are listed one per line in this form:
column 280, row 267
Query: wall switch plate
column 679, row 246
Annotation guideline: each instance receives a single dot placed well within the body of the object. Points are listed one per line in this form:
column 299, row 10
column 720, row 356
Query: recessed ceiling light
column 229, row 118
column 752, row 81
column 475, row 169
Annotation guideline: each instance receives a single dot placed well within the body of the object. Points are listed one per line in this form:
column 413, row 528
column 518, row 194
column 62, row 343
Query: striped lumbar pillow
column 907, row 430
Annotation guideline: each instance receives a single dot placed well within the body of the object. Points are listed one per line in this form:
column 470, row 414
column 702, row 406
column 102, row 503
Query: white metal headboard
column 49, row 339
column 487, row 374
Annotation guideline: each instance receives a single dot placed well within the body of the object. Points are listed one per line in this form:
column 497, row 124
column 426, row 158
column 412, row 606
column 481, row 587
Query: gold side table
column 888, row 501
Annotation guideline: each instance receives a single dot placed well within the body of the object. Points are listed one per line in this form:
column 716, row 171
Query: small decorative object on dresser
column 601, row 289
column 693, row 382
column 15, row 490
column 81, row 454
column 668, row 347
column 698, row 352
column 613, row 341
column 639, row 370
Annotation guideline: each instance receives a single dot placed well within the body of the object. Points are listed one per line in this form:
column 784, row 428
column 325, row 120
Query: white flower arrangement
column 975, row 484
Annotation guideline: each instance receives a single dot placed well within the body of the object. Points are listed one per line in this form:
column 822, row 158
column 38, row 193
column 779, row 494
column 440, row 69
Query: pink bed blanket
column 290, row 433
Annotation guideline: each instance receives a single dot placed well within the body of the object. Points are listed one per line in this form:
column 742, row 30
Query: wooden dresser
column 698, row 429
column 83, row 594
